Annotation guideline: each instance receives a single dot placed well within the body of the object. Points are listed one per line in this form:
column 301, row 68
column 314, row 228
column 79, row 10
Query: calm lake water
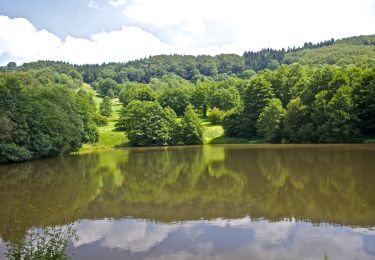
column 200, row 202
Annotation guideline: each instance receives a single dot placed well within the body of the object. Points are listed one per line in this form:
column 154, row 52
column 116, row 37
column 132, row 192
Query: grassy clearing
column 109, row 137
column 214, row 134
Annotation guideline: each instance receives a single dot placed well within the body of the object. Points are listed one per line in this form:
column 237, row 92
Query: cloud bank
column 191, row 27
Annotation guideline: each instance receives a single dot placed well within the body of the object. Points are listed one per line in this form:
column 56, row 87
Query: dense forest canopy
column 322, row 92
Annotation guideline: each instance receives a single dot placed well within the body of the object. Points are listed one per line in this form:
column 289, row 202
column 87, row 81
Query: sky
column 97, row 31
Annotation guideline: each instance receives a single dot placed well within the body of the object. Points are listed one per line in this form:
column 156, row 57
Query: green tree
column 233, row 123
column 146, row 123
column 135, row 91
column 86, row 108
column 247, row 74
column 257, row 95
column 192, row 129
column 43, row 121
column 225, row 98
column 105, row 108
column 108, row 84
column 216, row 116
column 200, row 97
column 334, row 118
column 364, row 99
column 269, row 123
column 297, row 124
column 177, row 99
column 12, row 65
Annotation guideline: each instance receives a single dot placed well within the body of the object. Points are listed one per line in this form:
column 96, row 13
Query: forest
column 316, row 93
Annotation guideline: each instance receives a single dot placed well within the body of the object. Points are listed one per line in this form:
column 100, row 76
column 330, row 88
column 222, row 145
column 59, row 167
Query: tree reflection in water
column 314, row 183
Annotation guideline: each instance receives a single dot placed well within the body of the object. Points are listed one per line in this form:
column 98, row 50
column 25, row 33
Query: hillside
column 359, row 50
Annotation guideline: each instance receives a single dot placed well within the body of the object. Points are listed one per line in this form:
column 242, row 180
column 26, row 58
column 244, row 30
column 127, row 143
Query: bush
column 216, row 116
column 13, row 153
column 101, row 120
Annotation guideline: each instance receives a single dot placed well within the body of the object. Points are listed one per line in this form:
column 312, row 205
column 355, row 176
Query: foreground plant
column 47, row 243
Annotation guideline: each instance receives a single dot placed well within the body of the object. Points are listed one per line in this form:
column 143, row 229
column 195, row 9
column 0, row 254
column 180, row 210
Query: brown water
column 200, row 202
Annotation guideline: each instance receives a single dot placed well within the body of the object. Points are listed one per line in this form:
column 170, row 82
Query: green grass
column 109, row 137
column 214, row 134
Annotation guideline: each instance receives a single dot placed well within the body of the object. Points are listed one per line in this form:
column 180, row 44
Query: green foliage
column 12, row 64
column 146, row 123
column 264, row 59
column 233, row 123
column 334, row 118
column 13, row 153
column 364, row 98
column 176, row 98
column 225, row 98
column 192, row 129
column 297, row 124
column 269, row 123
column 105, row 108
column 323, row 104
column 135, row 91
column 216, row 116
column 257, row 95
column 200, row 97
column 49, row 243
column 248, row 74
column 100, row 120
column 108, row 87
column 42, row 121
column 340, row 54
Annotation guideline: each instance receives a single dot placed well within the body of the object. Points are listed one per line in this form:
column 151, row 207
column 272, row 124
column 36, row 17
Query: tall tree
column 269, row 123
column 105, row 108
column 192, row 129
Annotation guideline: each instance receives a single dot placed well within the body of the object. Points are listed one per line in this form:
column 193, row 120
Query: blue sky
column 95, row 31
column 66, row 17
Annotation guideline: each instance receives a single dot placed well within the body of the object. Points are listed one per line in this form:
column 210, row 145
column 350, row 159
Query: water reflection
column 221, row 239
column 194, row 186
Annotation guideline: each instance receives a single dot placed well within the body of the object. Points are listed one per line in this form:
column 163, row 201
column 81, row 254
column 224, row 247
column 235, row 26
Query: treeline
column 356, row 50
column 299, row 104
column 292, row 104
column 43, row 114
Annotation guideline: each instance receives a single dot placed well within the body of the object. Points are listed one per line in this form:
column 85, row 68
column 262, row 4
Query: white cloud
column 20, row 41
column 93, row 4
column 254, row 24
column 133, row 235
column 192, row 27
column 117, row 3
column 271, row 240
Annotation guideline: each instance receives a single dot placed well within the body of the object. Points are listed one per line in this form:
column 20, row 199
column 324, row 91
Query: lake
column 199, row 202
